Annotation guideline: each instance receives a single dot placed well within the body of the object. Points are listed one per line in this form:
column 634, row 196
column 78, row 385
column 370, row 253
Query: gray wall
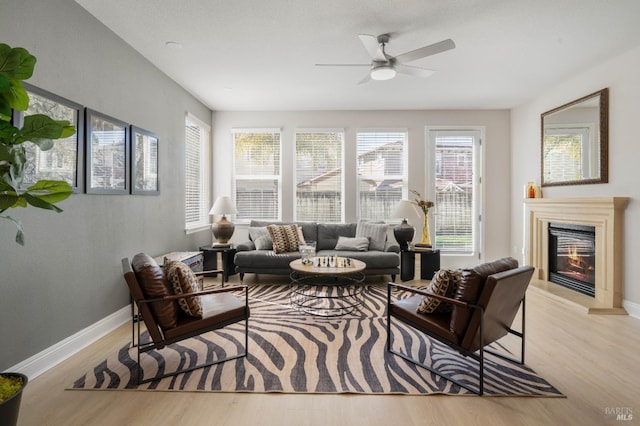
column 68, row 276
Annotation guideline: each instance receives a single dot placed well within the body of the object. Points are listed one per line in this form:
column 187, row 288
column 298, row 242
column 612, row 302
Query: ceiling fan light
column 383, row 72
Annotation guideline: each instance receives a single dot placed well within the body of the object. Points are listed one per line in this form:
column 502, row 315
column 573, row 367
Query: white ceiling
column 261, row 54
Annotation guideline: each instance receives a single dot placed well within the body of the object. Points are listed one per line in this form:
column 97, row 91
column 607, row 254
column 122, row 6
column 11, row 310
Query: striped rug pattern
column 291, row 351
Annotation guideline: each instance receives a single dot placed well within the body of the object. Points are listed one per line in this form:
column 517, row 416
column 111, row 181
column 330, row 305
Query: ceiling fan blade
column 414, row 71
column 425, row 51
column 373, row 47
column 343, row 65
column 366, row 79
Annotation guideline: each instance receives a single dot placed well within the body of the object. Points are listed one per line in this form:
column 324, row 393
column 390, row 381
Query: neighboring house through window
column 197, row 203
column 382, row 172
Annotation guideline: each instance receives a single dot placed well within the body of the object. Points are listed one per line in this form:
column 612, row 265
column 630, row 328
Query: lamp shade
column 404, row 232
column 223, row 206
column 405, row 209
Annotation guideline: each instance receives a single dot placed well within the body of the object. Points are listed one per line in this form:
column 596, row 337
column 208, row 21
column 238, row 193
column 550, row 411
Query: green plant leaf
column 4, row 84
column 17, row 96
column 16, row 63
column 7, row 133
column 7, row 200
column 40, row 127
column 37, row 201
column 50, row 191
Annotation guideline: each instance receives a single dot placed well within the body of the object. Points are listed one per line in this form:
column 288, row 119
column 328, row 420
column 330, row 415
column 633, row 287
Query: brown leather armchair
column 165, row 321
column 484, row 307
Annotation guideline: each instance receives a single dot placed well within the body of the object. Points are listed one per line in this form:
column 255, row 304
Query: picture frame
column 107, row 148
column 144, row 162
column 65, row 161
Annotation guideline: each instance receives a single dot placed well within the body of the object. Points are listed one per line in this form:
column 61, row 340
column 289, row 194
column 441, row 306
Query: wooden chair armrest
column 427, row 293
column 212, row 271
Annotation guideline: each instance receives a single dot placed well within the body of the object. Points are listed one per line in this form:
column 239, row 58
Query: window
column 455, row 181
column 382, row 172
column 566, row 151
column 197, row 141
column 257, row 173
column 319, row 177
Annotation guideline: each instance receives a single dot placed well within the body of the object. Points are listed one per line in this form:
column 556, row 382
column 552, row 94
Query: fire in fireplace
column 572, row 257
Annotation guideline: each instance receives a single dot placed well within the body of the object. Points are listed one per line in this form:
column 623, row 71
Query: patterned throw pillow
column 183, row 280
column 284, row 237
column 444, row 283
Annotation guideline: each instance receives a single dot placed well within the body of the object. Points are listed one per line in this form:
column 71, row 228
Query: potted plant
column 11, row 386
column 16, row 65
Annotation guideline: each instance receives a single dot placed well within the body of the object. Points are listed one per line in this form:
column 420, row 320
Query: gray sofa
column 379, row 262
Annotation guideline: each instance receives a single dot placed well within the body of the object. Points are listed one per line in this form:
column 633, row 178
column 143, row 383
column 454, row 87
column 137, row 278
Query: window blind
column 381, row 172
column 319, row 177
column 197, row 136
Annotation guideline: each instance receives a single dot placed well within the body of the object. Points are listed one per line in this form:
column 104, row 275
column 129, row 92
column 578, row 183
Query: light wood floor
column 593, row 360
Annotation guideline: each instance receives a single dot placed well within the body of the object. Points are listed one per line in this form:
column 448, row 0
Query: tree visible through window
column 257, row 173
column 381, row 172
column 319, row 175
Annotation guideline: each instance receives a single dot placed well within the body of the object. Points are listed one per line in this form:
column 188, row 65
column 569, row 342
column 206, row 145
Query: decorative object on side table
column 404, row 232
column 223, row 228
column 423, row 205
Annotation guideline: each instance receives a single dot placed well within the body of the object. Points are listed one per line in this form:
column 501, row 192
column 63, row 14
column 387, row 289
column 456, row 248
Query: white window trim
column 204, row 223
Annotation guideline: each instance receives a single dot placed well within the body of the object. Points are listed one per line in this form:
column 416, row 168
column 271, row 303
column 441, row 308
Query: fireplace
column 606, row 216
column 572, row 257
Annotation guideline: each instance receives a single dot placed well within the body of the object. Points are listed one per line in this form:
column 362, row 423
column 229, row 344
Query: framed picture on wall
column 144, row 162
column 107, row 154
column 65, row 161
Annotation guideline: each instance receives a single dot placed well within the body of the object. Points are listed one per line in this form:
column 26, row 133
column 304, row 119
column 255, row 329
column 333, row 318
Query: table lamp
column 404, row 232
column 223, row 228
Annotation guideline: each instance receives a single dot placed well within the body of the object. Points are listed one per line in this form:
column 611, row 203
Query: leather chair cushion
column 435, row 324
column 216, row 309
column 183, row 280
column 470, row 287
column 154, row 284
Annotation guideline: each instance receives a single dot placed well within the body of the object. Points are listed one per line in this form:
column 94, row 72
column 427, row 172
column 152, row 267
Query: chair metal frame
column 478, row 355
column 147, row 346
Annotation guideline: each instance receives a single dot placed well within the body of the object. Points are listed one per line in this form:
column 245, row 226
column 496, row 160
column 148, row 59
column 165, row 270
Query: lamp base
column 222, row 231
column 404, row 234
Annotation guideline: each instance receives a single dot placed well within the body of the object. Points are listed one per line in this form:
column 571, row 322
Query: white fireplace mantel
column 606, row 215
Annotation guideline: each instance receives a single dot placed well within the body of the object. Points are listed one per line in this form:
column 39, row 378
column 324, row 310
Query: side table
column 429, row 264
column 211, row 259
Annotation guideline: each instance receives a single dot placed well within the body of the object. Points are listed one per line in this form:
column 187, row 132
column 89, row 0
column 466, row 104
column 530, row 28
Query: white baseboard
column 632, row 308
column 39, row 363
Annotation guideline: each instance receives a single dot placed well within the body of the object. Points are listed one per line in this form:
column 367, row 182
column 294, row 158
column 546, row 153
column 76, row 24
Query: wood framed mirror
column 575, row 141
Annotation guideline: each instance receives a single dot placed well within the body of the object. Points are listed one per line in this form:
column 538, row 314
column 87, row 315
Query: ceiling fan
column 384, row 66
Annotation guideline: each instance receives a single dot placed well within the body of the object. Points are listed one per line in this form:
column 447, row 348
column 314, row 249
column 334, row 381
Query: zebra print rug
column 293, row 352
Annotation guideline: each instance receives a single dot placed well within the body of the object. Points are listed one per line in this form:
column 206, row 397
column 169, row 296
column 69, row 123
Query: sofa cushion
column 375, row 232
column 328, row 234
column 183, row 280
column 355, row 243
column 309, row 229
column 373, row 259
column 284, row 237
column 154, row 285
column 444, row 283
column 470, row 287
column 260, row 237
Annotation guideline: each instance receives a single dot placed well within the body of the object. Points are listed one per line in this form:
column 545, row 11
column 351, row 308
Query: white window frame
column 339, row 131
column 277, row 177
column 205, row 171
column 459, row 259
column 404, row 176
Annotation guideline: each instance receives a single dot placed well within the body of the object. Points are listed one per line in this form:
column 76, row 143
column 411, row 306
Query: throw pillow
column 352, row 244
column 284, row 237
column 261, row 238
column 375, row 232
column 444, row 283
column 183, row 281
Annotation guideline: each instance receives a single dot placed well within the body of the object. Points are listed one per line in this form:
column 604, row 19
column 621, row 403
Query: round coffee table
column 327, row 288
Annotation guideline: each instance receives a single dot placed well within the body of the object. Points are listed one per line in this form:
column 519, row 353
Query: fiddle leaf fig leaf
column 50, row 191
column 38, row 201
column 16, row 63
column 39, row 128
